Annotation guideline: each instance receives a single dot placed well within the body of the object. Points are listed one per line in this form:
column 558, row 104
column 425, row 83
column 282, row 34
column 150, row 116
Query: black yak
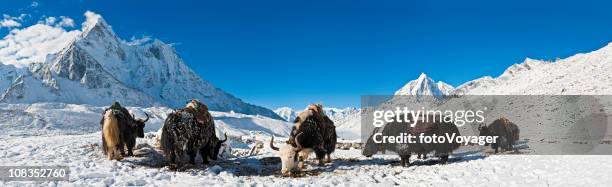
column 189, row 130
column 506, row 131
column 120, row 130
column 405, row 150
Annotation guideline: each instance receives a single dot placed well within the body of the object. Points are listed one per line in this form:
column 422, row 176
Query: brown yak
column 111, row 136
column 120, row 130
column 507, row 132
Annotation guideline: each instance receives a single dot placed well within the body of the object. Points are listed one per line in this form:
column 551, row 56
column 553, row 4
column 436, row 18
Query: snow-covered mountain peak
column 94, row 23
column 425, row 85
column 94, row 66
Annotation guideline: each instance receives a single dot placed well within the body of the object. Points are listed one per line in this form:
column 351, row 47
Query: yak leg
column 104, row 147
column 130, row 146
column 301, row 162
column 172, row 157
column 328, row 160
column 204, row 155
column 320, row 154
column 192, row 155
column 121, row 147
column 496, row 147
column 302, row 157
column 130, row 153
column 444, row 159
column 321, row 160
column 404, row 160
column 175, row 158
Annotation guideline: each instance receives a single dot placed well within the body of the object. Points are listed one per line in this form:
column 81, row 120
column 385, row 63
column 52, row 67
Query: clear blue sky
column 290, row 53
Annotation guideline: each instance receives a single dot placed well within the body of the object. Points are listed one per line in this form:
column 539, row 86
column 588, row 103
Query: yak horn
column 147, row 117
column 299, row 147
column 225, row 134
column 272, row 144
column 133, row 117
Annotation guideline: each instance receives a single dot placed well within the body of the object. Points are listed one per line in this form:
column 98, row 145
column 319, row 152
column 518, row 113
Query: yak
column 120, row 130
column 189, row 130
column 506, row 131
column 405, row 150
column 312, row 132
column 307, row 134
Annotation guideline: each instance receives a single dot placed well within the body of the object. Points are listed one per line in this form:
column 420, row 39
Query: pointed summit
column 94, row 23
column 424, row 85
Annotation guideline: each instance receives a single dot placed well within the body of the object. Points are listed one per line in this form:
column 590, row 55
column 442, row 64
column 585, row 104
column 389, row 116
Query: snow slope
column 70, row 119
column 580, row 74
column 94, row 66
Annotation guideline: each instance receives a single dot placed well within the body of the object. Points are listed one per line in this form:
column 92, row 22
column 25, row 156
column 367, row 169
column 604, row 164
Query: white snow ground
column 89, row 168
column 49, row 136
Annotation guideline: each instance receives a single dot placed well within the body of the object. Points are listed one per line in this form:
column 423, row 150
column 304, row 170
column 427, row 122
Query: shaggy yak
column 404, row 150
column 120, row 130
column 506, row 131
column 312, row 132
column 190, row 130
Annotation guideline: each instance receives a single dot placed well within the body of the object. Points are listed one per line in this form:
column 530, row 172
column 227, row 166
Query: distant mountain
column 424, row 85
column 96, row 67
column 581, row 74
column 288, row 114
column 335, row 114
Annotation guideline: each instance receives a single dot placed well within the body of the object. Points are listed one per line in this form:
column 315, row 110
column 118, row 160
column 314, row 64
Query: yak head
column 139, row 124
column 288, row 155
column 214, row 153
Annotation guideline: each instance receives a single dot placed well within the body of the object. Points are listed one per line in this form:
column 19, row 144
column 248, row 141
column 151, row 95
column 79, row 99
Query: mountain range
column 94, row 66
column 580, row 74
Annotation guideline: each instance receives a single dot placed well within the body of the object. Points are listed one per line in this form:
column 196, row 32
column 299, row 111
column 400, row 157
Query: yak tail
column 110, row 135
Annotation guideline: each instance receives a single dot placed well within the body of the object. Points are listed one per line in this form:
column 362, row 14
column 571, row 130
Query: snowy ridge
column 93, row 66
column 580, row 74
